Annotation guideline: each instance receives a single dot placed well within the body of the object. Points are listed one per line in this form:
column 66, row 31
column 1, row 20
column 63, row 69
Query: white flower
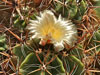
column 52, row 30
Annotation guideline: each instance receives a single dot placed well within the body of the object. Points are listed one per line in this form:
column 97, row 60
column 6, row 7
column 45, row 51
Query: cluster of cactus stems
column 20, row 55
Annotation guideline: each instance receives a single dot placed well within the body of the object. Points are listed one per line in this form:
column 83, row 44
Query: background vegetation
column 21, row 56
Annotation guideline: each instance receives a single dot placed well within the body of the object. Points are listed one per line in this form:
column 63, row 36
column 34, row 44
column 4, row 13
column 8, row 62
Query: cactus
column 32, row 63
column 40, row 55
column 3, row 44
column 20, row 24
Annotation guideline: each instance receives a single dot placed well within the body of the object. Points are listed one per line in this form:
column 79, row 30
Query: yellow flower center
column 52, row 32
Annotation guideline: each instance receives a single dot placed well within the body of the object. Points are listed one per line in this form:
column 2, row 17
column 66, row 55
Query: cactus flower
column 52, row 30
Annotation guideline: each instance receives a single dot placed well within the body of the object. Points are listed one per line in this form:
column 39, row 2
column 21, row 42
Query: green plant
column 21, row 55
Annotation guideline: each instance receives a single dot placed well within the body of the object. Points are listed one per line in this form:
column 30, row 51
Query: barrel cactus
column 50, row 37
